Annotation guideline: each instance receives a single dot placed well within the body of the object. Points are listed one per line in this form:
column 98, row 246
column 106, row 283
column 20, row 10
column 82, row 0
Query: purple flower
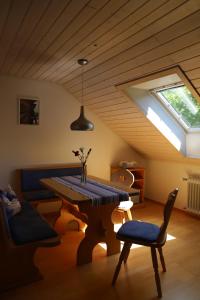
column 76, row 153
column 81, row 155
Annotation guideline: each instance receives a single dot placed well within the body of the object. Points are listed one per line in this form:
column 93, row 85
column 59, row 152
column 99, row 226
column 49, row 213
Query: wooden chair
column 146, row 234
column 125, row 208
column 127, row 178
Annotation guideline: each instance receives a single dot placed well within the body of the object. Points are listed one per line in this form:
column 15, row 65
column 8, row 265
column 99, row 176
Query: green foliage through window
column 182, row 103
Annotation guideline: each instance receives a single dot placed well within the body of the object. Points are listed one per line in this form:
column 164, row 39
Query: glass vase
column 83, row 173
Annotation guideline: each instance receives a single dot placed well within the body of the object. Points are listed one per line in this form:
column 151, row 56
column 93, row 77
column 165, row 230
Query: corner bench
column 32, row 190
column 20, row 236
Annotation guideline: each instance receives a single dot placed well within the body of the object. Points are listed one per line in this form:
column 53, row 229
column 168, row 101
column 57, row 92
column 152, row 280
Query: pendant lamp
column 82, row 124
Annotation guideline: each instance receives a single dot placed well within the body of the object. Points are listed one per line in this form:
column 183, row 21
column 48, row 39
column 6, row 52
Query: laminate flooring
column 63, row 280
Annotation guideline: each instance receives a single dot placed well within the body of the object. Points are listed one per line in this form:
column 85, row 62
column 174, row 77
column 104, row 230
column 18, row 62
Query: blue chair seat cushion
column 39, row 195
column 28, row 226
column 139, row 231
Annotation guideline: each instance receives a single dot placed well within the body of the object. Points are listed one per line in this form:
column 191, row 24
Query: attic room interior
column 100, row 149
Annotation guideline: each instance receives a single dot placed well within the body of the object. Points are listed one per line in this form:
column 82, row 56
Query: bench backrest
column 30, row 178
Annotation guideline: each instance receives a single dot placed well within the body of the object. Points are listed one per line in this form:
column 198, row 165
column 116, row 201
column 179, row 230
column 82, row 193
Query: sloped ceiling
column 122, row 40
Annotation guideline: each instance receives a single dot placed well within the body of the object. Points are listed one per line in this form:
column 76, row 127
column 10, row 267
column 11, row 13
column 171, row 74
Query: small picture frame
column 29, row 111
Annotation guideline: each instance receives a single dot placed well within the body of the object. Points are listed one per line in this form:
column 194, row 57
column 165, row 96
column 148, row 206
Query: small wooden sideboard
column 133, row 177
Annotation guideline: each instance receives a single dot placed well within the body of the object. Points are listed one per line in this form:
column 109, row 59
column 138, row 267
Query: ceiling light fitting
column 82, row 124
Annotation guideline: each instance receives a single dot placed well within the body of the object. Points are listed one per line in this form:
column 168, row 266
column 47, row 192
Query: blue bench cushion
column 30, row 178
column 141, row 231
column 28, row 226
column 38, row 195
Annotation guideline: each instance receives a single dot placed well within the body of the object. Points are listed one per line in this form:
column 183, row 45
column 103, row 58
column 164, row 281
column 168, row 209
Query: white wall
column 193, row 144
column 188, row 143
column 164, row 176
column 52, row 141
column 160, row 117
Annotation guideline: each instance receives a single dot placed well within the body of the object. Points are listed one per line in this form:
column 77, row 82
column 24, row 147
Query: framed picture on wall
column 29, row 111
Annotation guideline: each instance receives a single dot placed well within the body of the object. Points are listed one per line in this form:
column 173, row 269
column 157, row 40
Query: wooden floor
column 63, row 280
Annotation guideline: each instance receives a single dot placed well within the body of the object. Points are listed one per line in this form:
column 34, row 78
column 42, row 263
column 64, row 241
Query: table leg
column 100, row 229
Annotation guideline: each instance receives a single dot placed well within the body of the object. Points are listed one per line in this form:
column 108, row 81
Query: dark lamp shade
column 82, row 124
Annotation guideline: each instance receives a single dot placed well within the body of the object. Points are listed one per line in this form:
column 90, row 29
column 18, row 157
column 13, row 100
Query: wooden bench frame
column 17, row 261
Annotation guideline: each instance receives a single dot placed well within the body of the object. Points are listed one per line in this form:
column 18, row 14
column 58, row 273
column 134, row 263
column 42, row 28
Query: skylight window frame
column 170, row 108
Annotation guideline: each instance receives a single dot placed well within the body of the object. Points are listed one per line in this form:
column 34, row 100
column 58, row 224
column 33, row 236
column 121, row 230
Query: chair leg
column 128, row 247
column 162, row 260
column 128, row 215
column 155, row 266
column 121, row 258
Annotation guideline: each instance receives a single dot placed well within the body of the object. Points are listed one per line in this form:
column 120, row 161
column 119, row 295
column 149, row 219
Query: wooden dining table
column 100, row 227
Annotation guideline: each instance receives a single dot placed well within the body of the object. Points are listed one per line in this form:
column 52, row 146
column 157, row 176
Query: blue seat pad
column 39, row 195
column 139, row 231
column 28, row 226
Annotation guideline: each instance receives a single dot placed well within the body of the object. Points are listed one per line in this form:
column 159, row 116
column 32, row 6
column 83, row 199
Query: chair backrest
column 167, row 213
column 123, row 176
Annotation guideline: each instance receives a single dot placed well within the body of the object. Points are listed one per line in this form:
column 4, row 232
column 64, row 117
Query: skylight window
column 182, row 104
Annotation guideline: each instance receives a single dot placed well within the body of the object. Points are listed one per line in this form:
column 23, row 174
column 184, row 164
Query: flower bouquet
column 83, row 159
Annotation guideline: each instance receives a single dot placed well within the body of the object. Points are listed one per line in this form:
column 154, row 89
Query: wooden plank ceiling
column 122, row 40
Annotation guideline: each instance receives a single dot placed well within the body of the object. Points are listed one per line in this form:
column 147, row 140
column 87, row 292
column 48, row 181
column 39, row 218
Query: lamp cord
column 82, row 78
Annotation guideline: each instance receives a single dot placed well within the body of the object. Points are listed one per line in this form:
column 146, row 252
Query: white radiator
column 193, row 200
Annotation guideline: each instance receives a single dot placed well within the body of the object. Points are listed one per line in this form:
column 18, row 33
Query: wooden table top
column 76, row 197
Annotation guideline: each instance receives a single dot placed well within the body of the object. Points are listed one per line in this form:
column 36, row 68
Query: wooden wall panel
column 25, row 58
column 34, row 14
column 139, row 36
column 5, row 7
column 123, row 40
column 13, row 22
column 131, row 65
column 103, row 42
column 84, row 37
